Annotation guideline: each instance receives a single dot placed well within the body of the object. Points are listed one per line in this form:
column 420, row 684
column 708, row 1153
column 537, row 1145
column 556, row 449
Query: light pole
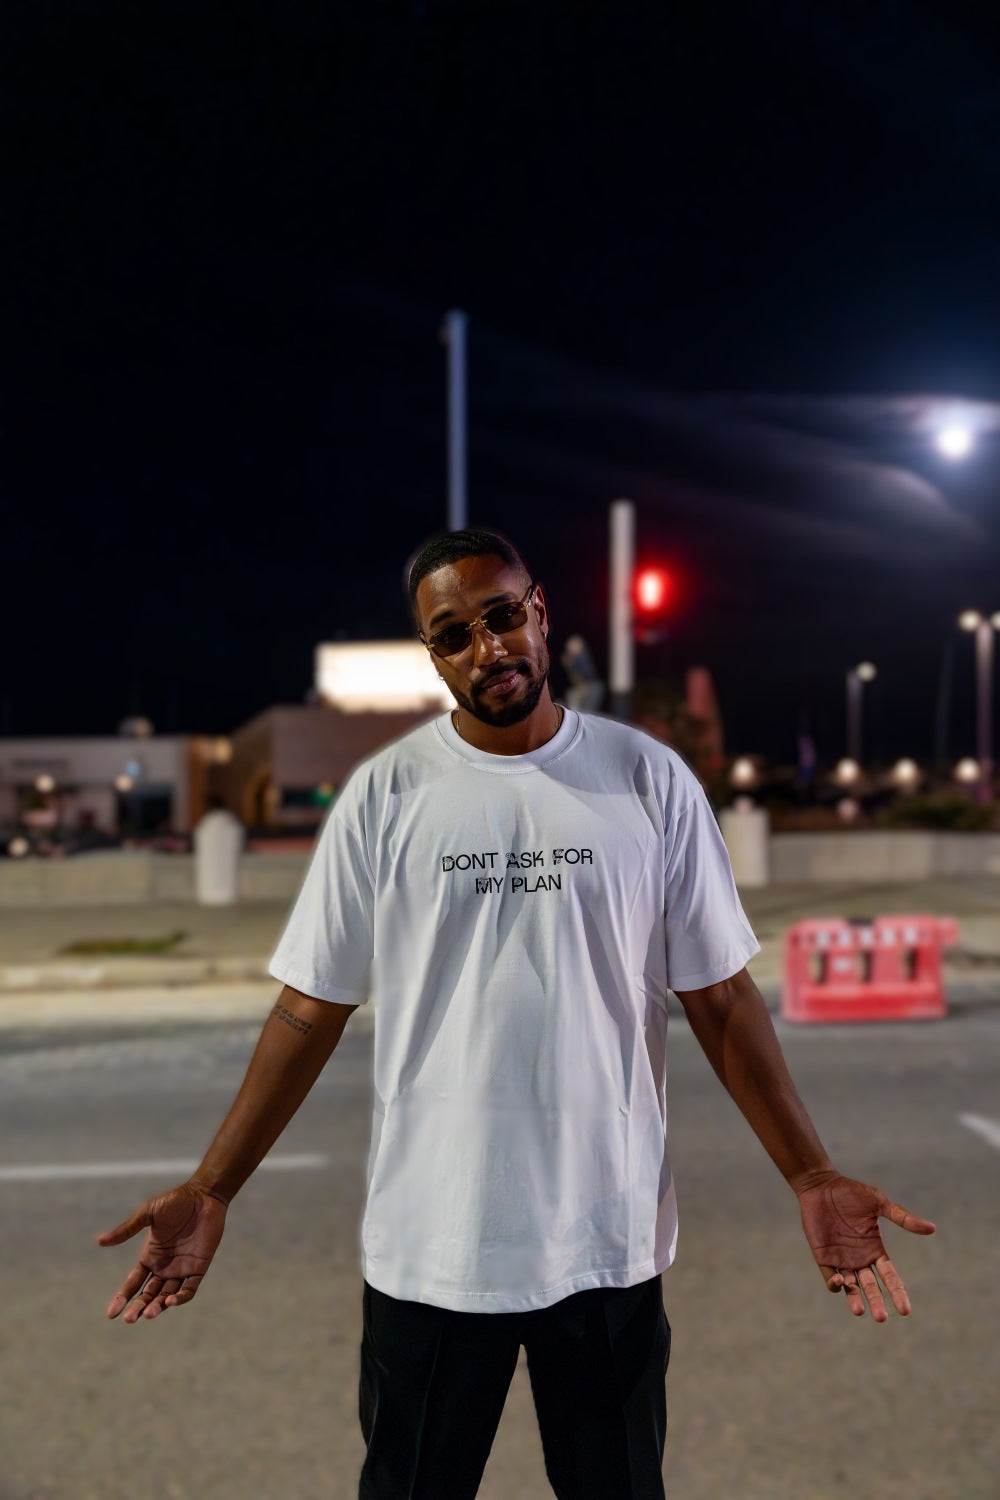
column 453, row 337
column 856, row 678
column 983, row 626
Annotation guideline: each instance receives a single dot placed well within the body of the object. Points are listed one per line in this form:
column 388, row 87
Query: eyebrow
column 439, row 616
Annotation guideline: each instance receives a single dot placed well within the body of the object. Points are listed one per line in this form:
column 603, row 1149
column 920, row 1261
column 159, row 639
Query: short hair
column 449, row 547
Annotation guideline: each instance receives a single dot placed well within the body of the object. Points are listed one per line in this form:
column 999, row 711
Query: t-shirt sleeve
column 326, row 947
column 707, row 932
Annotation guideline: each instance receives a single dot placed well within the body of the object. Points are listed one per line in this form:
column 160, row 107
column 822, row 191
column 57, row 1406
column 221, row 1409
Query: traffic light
column 652, row 596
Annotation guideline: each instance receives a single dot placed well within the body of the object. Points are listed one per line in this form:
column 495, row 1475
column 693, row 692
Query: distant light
column 967, row 770
column 379, row 677
column 123, row 783
column 906, row 773
column 969, row 619
column 846, row 772
column 651, row 588
column 955, row 440
column 743, row 772
column 222, row 751
column 18, row 847
column 848, row 809
column 136, row 728
column 865, row 671
column 45, row 783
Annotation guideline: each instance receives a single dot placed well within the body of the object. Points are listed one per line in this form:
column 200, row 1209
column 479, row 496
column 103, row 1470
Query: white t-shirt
column 517, row 921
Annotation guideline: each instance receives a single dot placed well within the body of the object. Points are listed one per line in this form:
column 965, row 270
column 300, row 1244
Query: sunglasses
column 499, row 619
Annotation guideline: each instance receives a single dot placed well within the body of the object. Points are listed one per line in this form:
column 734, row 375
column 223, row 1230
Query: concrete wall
column 125, row 876
column 875, row 856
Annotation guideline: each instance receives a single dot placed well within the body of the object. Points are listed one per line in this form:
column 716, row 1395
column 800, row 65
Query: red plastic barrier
column 885, row 970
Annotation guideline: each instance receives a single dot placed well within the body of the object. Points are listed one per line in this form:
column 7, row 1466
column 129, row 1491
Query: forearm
column 295, row 1044
column 732, row 1025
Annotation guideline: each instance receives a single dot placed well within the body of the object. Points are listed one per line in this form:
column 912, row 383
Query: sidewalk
column 218, row 968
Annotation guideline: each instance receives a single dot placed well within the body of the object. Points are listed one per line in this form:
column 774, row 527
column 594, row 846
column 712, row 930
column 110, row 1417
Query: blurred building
column 288, row 762
column 276, row 772
column 116, row 783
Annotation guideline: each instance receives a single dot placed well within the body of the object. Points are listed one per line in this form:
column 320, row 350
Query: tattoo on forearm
column 291, row 1019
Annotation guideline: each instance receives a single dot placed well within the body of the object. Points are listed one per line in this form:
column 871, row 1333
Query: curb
column 106, row 974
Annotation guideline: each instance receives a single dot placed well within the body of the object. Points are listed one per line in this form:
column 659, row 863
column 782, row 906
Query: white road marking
column 75, row 1171
column 988, row 1129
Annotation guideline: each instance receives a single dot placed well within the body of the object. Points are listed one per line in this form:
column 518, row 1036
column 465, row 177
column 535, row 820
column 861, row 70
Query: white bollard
column 218, row 849
column 746, row 829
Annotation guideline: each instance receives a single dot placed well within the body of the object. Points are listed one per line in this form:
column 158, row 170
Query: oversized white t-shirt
column 517, row 921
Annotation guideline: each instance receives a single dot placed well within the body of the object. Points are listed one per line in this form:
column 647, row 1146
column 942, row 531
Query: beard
column 517, row 708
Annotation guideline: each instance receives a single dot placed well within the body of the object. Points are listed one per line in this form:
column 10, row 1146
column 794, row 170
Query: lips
column 500, row 682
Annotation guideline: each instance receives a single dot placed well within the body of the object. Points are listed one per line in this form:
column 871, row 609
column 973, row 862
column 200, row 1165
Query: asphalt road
column 775, row 1393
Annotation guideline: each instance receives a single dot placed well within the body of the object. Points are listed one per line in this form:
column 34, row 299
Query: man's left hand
column 840, row 1218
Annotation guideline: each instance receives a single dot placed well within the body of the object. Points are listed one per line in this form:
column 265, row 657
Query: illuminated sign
column 379, row 677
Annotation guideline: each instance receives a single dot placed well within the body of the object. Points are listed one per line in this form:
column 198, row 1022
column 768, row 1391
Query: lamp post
column 983, row 626
column 856, row 678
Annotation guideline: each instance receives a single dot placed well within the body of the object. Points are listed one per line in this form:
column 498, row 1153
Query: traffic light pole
column 621, row 645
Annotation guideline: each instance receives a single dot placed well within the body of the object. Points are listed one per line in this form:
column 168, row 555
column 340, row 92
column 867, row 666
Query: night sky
column 735, row 262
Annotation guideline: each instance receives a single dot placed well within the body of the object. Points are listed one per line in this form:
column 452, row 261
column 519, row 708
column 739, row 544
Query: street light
column 983, row 626
column 954, row 440
column 856, row 678
column 906, row 774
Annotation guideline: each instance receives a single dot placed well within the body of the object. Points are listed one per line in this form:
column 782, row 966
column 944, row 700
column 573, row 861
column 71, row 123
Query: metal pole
column 854, row 715
column 984, row 708
column 453, row 335
column 621, row 644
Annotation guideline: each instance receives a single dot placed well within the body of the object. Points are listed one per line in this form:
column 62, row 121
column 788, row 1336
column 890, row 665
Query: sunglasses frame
column 526, row 602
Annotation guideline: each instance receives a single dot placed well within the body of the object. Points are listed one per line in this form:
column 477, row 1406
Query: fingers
column 893, row 1283
column 902, row 1216
column 865, row 1291
column 133, row 1281
column 145, row 1297
column 127, row 1228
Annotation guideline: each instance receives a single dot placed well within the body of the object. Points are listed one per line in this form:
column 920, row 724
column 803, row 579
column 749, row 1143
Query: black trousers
column 434, row 1383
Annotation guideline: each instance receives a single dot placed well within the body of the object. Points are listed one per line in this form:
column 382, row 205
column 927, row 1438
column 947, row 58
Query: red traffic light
column 652, row 591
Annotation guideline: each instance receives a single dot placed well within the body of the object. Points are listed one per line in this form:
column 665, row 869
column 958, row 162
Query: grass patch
column 140, row 946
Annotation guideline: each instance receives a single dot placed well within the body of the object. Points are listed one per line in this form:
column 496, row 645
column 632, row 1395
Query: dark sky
column 732, row 261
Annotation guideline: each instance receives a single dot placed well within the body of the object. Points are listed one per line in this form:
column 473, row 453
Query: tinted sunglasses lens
column 451, row 641
column 504, row 617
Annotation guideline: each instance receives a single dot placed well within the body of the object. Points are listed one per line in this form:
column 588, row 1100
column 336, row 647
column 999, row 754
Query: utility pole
column 453, row 337
column 621, row 644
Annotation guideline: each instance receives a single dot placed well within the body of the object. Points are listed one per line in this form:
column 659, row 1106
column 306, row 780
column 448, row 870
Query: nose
column 486, row 646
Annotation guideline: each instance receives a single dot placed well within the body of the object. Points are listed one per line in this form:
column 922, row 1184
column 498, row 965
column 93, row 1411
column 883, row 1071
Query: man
column 517, row 886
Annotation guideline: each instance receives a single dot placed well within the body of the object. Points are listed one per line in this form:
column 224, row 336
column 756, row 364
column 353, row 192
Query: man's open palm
column 840, row 1217
column 185, row 1226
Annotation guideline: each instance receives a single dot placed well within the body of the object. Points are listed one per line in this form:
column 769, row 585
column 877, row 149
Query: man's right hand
column 185, row 1226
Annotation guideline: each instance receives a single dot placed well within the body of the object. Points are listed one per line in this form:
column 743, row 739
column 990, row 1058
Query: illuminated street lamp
column 743, row 773
column 846, row 772
column 954, row 440
column 856, row 678
column 906, row 774
column 983, row 626
column 967, row 771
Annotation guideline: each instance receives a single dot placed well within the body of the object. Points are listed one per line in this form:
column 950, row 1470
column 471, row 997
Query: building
column 277, row 772
column 137, row 785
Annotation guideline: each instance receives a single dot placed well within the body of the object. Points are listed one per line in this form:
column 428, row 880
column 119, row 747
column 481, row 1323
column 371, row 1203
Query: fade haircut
column 449, row 547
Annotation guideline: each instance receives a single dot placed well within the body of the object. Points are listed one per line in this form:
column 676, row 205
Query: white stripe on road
column 70, row 1171
column 988, row 1129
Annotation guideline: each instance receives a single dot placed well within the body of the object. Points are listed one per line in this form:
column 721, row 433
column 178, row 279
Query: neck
column 511, row 739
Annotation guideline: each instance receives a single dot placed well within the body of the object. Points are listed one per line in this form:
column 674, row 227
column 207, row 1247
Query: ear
column 541, row 610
